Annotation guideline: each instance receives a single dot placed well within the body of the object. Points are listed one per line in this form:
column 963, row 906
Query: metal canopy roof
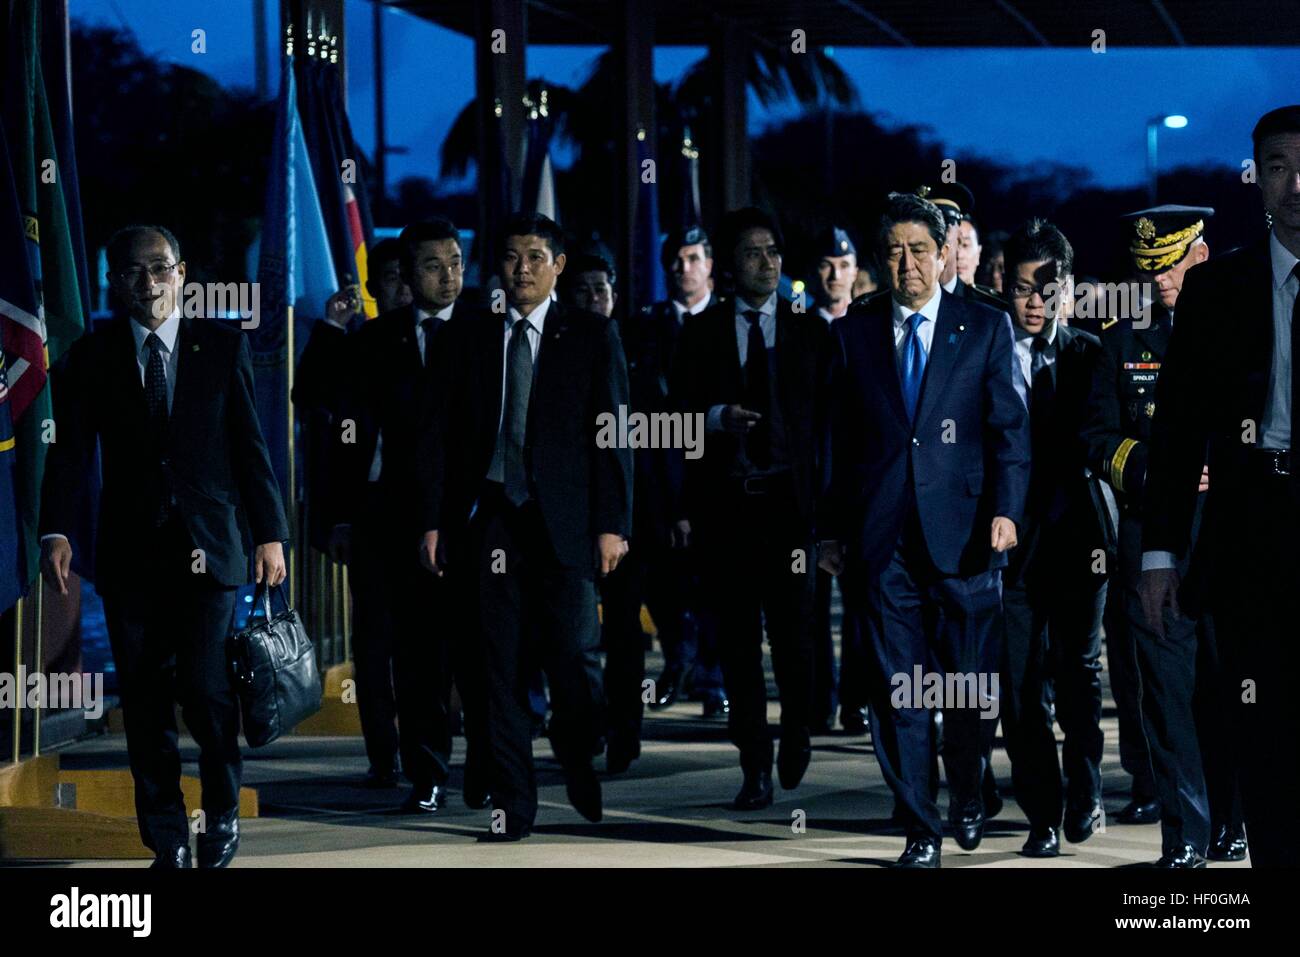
column 899, row 23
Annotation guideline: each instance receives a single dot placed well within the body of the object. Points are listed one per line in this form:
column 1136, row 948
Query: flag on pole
column 538, row 191
column 689, row 213
column 295, row 272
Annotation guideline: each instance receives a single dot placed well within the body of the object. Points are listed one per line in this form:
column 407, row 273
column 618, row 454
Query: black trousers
column 914, row 616
column 533, row 610
column 1255, row 612
column 1121, row 662
column 168, row 632
column 824, row 673
column 1052, row 633
column 759, row 571
column 621, row 598
column 1167, row 685
column 405, row 623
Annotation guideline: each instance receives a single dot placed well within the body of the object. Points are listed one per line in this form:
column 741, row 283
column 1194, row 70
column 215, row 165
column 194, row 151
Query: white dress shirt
column 536, row 321
column 442, row 315
column 682, row 310
column 1275, row 429
column 767, row 323
column 930, row 312
column 1025, row 352
column 950, row 286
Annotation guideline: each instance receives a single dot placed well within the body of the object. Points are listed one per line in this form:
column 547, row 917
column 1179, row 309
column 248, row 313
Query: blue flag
column 295, row 270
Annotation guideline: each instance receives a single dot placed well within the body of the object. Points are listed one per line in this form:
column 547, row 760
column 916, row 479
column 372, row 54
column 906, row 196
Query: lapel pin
column 194, row 348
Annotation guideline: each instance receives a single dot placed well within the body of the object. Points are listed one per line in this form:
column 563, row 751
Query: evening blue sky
column 1021, row 105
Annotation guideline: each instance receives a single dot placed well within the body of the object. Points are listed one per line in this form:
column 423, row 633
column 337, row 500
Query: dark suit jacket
column 1213, row 380
column 652, row 340
column 709, row 374
column 583, row 490
column 1060, row 501
column 216, row 460
column 390, row 392
column 968, row 397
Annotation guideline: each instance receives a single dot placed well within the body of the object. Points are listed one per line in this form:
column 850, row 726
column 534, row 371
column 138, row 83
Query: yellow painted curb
column 61, row 834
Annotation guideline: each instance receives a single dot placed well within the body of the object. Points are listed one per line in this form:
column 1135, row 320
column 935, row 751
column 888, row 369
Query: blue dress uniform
column 1168, row 692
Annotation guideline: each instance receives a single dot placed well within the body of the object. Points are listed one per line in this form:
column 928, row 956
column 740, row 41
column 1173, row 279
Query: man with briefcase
column 185, row 473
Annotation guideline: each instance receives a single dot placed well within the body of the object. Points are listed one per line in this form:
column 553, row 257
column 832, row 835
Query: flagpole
column 292, row 509
column 40, row 666
column 18, row 664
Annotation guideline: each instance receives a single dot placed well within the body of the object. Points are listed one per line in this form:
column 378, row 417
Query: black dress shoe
column 1139, row 811
column 667, row 687
column 792, row 760
column 584, row 791
column 620, row 754
column 853, row 720
column 756, row 792
column 424, row 800
column 968, row 827
column 1228, row 843
column 716, row 706
column 1179, row 858
column 218, row 844
column 1081, row 823
column 920, row 852
column 1042, row 842
column 173, row 858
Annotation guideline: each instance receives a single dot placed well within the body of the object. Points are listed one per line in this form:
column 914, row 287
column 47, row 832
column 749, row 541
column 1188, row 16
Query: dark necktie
column 155, row 395
column 514, row 425
column 430, row 326
column 914, row 360
column 758, row 445
column 1040, row 372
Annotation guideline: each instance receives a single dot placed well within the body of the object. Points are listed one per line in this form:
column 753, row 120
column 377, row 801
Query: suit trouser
column 1166, row 669
column 1052, row 632
column 620, row 594
column 533, row 610
column 914, row 615
column 402, row 651
column 824, row 676
column 1121, row 662
column 690, row 637
column 1255, row 614
column 854, row 658
column 755, row 578
column 168, row 631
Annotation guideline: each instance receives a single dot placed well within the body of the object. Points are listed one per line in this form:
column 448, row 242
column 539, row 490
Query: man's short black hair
column 120, row 243
column 739, row 221
column 425, row 231
column 1037, row 241
column 1285, row 119
column 535, row 224
column 910, row 208
column 592, row 260
column 385, row 251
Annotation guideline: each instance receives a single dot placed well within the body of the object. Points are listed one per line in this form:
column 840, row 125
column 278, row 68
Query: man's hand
column 680, row 534
column 340, row 543
column 1205, row 479
column 738, row 420
column 612, row 548
column 830, row 557
column 1004, row 534
column 431, row 556
column 56, row 563
column 1157, row 588
column 268, row 563
column 342, row 306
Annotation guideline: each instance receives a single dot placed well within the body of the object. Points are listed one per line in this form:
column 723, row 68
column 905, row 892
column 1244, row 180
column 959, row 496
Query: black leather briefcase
column 273, row 667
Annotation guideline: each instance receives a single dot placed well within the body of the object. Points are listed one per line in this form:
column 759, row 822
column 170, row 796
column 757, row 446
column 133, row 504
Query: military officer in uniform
column 1169, row 752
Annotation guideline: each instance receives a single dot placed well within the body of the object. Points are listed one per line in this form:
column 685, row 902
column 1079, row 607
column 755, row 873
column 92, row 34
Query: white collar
column 167, row 332
column 951, row 287
column 768, row 308
column 930, row 310
column 1027, row 337
column 695, row 310
column 535, row 318
column 442, row 315
column 1283, row 261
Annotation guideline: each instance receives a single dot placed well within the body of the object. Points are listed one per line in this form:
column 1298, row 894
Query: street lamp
column 1175, row 121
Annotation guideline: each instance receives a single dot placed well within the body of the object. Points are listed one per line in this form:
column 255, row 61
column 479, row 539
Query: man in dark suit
column 685, row 629
column 186, row 477
column 1229, row 383
column 757, row 372
column 1170, row 691
column 1054, row 588
column 523, row 493
column 930, row 468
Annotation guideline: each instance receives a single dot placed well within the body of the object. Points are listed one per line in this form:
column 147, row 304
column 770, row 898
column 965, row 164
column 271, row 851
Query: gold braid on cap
column 1153, row 253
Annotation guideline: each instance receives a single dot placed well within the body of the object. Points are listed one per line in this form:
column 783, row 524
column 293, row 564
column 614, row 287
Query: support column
column 634, row 52
column 499, row 80
column 730, row 54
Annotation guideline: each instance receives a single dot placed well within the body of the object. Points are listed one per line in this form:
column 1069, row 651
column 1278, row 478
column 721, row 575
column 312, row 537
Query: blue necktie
column 914, row 359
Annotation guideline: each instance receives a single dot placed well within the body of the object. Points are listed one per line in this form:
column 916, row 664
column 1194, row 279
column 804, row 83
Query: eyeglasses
column 156, row 270
column 1022, row 290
